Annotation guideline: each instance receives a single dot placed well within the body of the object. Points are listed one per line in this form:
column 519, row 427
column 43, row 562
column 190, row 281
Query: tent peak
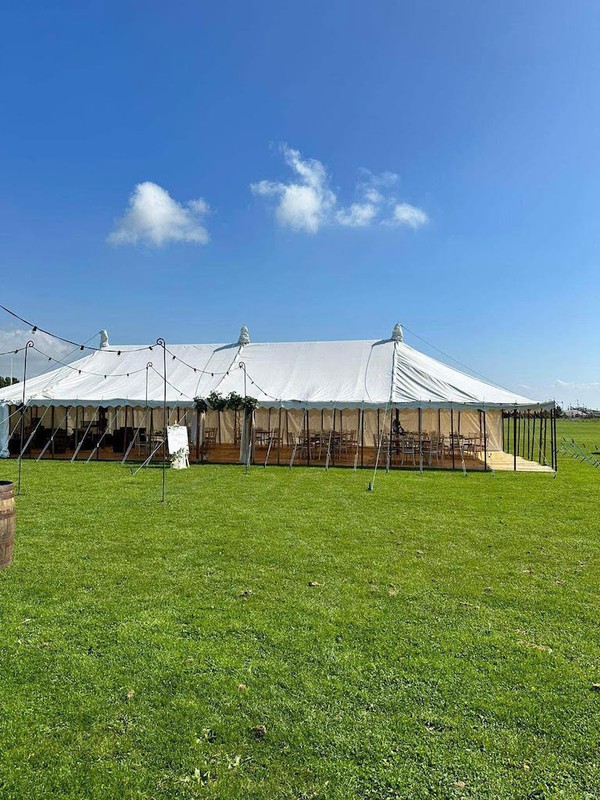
column 244, row 335
column 103, row 338
column 397, row 334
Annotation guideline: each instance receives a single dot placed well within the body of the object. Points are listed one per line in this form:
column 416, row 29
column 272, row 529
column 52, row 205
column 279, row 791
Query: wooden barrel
column 7, row 523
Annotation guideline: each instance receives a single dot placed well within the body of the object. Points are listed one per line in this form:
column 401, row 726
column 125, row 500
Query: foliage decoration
column 233, row 402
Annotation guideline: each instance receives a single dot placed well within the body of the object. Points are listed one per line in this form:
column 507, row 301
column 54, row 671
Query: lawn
column 287, row 634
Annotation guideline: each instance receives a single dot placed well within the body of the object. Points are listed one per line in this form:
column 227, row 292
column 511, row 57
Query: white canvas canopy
column 303, row 375
column 306, row 381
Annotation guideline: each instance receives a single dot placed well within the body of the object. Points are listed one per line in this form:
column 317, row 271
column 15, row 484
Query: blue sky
column 357, row 163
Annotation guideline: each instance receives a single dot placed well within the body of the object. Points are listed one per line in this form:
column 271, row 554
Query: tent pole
column 52, row 421
column 421, row 442
column 484, row 441
column 306, row 436
column 76, row 431
column 555, row 445
column 452, row 440
column 515, row 440
column 27, row 346
column 279, row 436
column 362, row 437
column 161, row 342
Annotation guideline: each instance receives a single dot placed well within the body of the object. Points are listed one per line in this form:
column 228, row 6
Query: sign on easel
column 178, row 444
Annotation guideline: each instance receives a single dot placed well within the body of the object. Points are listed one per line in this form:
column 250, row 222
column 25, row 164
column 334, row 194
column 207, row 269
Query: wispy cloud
column 307, row 202
column 153, row 217
column 405, row 214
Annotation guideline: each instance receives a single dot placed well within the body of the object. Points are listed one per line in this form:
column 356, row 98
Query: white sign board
column 177, row 439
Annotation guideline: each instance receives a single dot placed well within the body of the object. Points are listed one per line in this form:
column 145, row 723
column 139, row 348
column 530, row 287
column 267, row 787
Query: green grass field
column 437, row 638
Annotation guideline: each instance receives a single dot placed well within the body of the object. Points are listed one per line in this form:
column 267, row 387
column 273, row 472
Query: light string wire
column 76, row 345
column 213, row 373
column 162, row 377
column 13, row 352
column 86, row 346
column 89, row 372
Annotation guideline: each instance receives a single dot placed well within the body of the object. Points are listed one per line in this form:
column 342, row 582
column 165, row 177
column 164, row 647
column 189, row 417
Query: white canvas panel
column 316, row 375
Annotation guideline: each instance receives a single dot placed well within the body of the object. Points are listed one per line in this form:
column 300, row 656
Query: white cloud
column 16, row 338
column 405, row 214
column 358, row 215
column 154, row 217
column 305, row 204
column 308, row 202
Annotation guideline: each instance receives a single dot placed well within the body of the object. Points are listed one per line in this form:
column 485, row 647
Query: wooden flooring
column 505, row 462
column 229, row 454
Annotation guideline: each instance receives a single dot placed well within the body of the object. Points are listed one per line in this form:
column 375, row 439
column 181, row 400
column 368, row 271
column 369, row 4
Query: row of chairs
column 410, row 447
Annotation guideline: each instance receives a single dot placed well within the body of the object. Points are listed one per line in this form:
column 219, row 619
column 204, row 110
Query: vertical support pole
column 161, row 342
column 332, row 449
column 362, row 437
column 248, row 428
column 279, row 436
column 22, row 436
column 52, row 421
column 484, row 441
column 307, row 436
column 452, row 439
column 148, row 421
column 515, row 440
column 553, row 438
column 421, row 442
column 390, row 437
column 555, row 445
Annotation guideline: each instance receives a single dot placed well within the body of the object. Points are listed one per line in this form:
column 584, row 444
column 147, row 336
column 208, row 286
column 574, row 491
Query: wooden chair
column 210, row 440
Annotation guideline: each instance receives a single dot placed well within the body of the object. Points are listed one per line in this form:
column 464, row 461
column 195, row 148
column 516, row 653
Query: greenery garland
column 233, row 402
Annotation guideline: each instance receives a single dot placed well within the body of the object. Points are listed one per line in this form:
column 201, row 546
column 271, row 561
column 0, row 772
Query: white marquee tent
column 378, row 380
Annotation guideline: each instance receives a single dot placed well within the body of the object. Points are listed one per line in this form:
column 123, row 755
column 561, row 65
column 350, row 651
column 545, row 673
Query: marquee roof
column 341, row 374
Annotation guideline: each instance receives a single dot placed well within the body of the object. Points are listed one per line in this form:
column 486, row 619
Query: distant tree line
column 7, row 381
